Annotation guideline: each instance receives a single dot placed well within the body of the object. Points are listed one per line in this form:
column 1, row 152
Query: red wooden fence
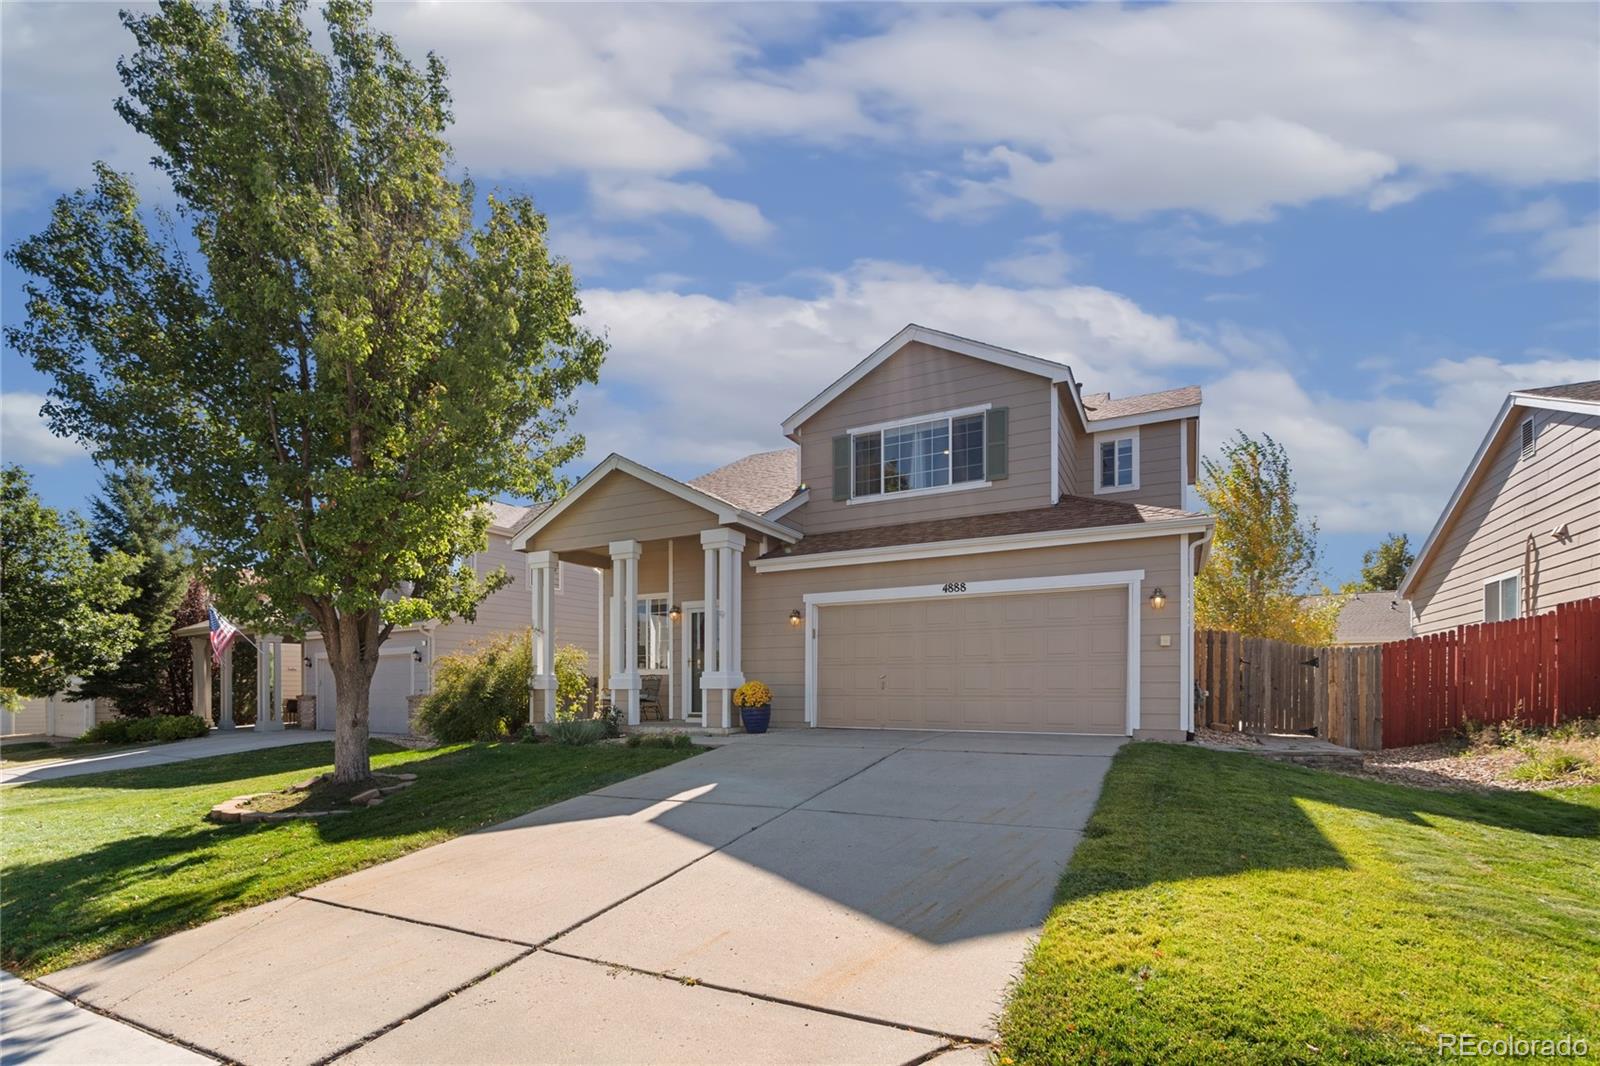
column 1543, row 670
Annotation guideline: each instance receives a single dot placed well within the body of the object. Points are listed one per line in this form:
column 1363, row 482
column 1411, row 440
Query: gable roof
column 756, row 483
column 1100, row 407
column 506, row 517
column 725, row 511
column 1371, row 618
column 1582, row 397
column 989, row 353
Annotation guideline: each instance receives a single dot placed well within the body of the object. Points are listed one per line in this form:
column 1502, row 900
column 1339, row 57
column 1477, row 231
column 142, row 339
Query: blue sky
column 1356, row 226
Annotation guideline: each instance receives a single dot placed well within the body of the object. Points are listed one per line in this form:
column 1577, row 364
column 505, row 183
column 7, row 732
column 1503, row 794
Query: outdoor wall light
column 308, row 662
column 675, row 613
column 416, row 653
column 796, row 618
column 1158, row 600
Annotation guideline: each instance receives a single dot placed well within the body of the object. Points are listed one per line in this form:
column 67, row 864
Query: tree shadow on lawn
column 1174, row 813
column 210, row 769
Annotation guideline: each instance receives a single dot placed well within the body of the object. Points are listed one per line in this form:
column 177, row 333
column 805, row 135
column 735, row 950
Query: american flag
column 222, row 634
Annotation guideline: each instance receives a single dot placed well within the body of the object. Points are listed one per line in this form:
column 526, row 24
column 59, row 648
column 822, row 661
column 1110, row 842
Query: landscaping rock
column 361, row 799
column 389, row 790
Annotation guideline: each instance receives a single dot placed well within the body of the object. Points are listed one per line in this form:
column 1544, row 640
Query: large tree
column 131, row 518
column 1264, row 556
column 330, row 364
column 1384, row 567
column 60, row 606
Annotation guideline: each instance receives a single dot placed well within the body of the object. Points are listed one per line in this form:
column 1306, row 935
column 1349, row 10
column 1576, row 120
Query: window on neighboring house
column 1118, row 465
column 1530, row 438
column 931, row 454
column 655, row 634
column 1502, row 598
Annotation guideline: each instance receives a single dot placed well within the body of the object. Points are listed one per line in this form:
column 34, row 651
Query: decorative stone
column 389, row 790
column 404, row 777
column 364, row 798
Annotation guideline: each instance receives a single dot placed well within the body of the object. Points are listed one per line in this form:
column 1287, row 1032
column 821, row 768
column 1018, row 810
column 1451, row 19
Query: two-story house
column 962, row 539
column 1521, row 532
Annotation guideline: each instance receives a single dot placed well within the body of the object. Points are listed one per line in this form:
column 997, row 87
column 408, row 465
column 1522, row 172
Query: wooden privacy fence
column 1269, row 686
column 1543, row 670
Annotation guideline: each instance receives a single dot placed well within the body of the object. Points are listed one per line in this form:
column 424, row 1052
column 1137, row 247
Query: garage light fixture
column 796, row 618
column 675, row 612
column 1158, row 600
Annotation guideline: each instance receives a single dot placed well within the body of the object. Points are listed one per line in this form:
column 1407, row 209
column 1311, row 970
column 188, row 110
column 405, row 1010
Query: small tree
column 1384, row 567
column 129, row 517
column 1263, row 556
column 61, row 607
column 349, row 364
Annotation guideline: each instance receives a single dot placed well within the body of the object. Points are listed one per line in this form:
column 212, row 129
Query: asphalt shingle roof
column 1588, row 391
column 1100, row 405
column 757, row 483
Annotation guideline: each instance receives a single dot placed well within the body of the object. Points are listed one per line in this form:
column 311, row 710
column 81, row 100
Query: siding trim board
column 1132, row 580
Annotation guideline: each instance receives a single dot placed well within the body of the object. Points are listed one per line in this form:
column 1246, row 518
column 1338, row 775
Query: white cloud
column 1039, row 260
column 1188, row 250
column 1566, row 249
column 590, row 251
column 643, row 197
column 24, row 437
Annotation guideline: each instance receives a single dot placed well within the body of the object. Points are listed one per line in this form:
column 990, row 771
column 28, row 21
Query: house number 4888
column 955, row 586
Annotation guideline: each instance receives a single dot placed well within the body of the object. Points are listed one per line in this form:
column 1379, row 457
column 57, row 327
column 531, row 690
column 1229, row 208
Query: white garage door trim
column 1131, row 579
column 323, row 670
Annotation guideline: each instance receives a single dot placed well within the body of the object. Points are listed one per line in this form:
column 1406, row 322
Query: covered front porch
column 277, row 673
column 673, row 561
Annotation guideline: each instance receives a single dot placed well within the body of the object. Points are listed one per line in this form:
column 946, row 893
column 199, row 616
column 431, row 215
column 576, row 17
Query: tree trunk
column 353, row 658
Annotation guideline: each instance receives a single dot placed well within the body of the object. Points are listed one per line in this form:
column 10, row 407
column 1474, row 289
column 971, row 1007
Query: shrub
column 1548, row 766
column 480, row 693
column 660, row 740
column 577, row 731
column 162, row 728
column 181, row 727
column 572, row 683
column 112, row 732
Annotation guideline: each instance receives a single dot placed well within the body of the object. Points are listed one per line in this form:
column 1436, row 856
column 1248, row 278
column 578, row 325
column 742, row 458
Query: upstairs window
column 1117, row 462
column 934, row 453
column 1502, row 598
column 1530, row 438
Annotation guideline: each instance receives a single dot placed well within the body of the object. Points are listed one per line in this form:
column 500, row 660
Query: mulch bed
column 316, row 798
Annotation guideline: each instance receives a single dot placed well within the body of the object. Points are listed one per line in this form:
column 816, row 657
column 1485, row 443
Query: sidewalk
column 42, row 1029
column 217, row 743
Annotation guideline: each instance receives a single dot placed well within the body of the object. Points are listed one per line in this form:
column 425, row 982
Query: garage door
column 396, row 678
column 1040, row 662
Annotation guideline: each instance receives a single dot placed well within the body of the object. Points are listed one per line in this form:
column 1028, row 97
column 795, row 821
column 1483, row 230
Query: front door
column 696, row 650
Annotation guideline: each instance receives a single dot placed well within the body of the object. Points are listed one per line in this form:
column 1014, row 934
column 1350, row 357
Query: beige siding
column 619, row 507
column 1069, row 438
column 920, row 380
column 1513, row 498
column 1160, row 460
column 774, row 651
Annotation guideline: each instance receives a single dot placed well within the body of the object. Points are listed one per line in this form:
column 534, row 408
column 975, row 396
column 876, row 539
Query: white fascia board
column 724, row 512
column 1551, row 403
column 1029, row 364
column 981, row 545
column 799, row 499
column 1171, row 414
column 1460, row 491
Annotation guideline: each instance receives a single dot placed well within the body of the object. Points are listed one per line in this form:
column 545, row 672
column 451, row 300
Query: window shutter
column 841, row 467
column 995, row 445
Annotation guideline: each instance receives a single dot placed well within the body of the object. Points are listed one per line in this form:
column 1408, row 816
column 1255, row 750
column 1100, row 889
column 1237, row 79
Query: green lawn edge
column 101, row 862
column 1225, row 908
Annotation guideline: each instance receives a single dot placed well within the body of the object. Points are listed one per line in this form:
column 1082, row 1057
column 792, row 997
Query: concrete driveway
column 806, row 896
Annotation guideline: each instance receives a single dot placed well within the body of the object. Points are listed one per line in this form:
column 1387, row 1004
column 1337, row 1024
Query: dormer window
column 1116, row 462
column 935, row 453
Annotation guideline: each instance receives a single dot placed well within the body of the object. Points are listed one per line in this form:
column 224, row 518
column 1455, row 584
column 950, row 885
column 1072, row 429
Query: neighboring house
column 1521, row 532
column 1371, row 618
column 961, row 540
column 55, row 716
column 409, row 657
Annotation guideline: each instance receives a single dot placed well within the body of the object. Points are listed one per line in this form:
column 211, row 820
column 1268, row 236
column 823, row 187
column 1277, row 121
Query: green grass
column 1223, row 908
column 106, row 861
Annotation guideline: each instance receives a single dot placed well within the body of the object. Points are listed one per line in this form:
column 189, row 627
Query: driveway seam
column 159, row 1034
column 941, row 821
column 766, row 997
column 416, row 921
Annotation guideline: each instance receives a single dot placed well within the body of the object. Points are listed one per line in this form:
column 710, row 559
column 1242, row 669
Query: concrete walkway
column 823, row 896
column 42, row 1029
column 215, row 743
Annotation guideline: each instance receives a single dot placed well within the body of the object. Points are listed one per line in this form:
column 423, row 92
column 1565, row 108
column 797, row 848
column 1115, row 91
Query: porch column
column 624, row 626
column 200, row 651
column 541, row 582
column 269, row 683
column 225, row 671
column 724, row 559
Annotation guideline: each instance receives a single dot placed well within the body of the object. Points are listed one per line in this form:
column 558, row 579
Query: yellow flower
column 752, row 694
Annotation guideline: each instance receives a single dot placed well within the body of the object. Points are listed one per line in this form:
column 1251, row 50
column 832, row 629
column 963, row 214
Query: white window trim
column 1116, row 437
column 1529, row 426
column 667, row 597
column 1497, row 580
column 1131, row 579
column 931, row 490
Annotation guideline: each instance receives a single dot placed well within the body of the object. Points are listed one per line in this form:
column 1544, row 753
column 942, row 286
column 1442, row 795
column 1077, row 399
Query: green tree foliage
column 346, row 365
column 129, row 517
column 1264, row 556
column 60, row 606
column 1384, row 567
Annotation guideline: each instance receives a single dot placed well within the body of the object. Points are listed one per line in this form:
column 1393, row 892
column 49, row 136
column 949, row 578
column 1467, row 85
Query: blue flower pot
column 756, row 719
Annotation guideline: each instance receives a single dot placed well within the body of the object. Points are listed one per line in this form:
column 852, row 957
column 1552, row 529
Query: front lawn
column 43, row 751
column 1222, row 907
column 96, row 863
